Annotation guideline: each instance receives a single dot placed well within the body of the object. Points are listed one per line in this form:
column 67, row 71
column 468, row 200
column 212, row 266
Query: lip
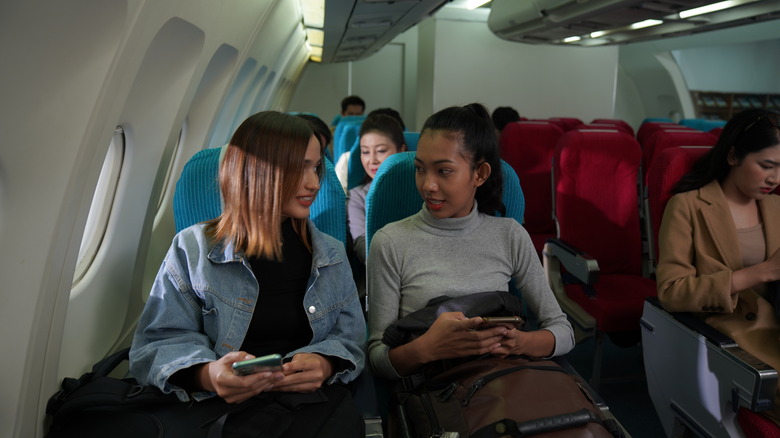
column 766, row 190
column 305, row 201
column 434, row 204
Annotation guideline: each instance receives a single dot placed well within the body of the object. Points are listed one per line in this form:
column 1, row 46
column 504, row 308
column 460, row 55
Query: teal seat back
column 198, row 199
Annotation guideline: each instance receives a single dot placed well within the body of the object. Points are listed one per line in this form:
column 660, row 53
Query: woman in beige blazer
column 720, row 238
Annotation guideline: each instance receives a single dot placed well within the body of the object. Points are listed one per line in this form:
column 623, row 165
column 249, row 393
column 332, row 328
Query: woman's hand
column 217, row 376
column 539, row 343
column 453, row 335
column 305, row 373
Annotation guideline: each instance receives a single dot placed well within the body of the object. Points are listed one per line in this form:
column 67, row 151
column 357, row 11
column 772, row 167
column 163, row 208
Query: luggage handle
column 542, row 425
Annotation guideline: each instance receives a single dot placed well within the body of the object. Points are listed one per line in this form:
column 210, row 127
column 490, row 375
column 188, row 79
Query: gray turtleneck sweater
column 422, row 257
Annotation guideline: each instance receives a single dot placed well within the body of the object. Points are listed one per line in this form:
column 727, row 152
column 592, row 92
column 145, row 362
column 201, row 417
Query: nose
column 429, row 183
column 374, row 157
column 311, row 181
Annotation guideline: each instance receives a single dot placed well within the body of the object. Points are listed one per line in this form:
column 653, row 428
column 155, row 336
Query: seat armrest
column 687, row 319
column 577, row 263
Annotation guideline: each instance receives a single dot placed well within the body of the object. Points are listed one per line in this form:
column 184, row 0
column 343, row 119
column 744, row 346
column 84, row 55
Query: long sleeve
column 689, row 278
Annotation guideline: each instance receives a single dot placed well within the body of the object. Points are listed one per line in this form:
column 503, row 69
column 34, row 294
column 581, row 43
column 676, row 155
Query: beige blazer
column 698, row 252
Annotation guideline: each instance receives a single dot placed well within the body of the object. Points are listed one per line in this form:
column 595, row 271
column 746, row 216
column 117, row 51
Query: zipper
column 484, row 380
column 436, row 430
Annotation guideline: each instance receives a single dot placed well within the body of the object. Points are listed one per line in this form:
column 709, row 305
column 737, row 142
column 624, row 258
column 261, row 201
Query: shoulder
column 503, row 226
column 325, row 245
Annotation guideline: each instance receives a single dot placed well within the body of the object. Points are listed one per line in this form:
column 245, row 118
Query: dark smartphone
column 271, row 362
column 493, row 321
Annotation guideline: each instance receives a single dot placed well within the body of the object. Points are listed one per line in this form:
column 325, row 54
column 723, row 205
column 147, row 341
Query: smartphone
column 271, row 362
column 493, row 321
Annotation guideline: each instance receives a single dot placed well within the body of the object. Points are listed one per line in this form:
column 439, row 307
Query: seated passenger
column 259, row 279
column 322, row 132
column 456, row 246
column 504, row 115
column 392, row 113
column 380, row 137
column 720, row 238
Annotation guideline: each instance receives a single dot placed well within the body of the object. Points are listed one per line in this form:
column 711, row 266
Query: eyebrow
column 774, row 163
column 435, row 162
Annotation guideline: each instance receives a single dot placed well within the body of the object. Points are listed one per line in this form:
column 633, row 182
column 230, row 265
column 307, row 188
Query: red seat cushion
column 755, row 425
column 617, row 305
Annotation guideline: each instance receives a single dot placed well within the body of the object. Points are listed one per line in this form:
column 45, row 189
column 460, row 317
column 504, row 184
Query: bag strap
column 547, row 424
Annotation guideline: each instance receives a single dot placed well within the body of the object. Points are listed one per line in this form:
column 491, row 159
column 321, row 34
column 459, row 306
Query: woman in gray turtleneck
column 455, row 246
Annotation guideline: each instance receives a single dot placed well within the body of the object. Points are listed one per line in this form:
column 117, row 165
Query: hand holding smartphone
column 271, row 362
column 494, row 321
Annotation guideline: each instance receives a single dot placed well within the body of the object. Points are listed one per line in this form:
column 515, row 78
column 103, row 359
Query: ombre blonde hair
column 261, row 172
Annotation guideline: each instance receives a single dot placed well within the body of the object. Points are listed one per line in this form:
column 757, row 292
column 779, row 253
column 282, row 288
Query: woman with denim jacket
column 258, row 279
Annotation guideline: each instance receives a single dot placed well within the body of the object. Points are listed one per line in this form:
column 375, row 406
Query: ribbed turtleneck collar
column 450, row 226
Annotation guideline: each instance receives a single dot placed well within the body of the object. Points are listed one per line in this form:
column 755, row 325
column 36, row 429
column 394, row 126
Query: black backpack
column 96, row 404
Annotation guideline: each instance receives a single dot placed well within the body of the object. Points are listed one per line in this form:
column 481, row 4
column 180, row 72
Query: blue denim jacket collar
column 322, row 255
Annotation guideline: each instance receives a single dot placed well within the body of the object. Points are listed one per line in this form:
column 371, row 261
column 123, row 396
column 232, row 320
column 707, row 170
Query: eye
column 364, row 151
column 418, row 169
column 445, row 171
column 765, row 166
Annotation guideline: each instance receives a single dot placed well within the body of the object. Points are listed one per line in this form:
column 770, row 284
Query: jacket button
column 750, row 316
column 312, row 309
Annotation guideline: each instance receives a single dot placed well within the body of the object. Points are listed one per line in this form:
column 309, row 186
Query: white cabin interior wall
column 100, row 64
column 473, row 65
column 649, row 72
column 747, row 67
column 385, row 79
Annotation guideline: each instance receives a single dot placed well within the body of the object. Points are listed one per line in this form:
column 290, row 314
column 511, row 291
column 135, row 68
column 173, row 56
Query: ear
column 482, row 173
column 731, row 157
column 403, row 148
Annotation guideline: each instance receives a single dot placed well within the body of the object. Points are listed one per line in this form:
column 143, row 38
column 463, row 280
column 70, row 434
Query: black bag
column 487, row 397
column 99, row 406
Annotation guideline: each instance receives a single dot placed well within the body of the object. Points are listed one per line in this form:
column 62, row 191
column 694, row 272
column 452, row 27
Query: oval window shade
column 102, row 202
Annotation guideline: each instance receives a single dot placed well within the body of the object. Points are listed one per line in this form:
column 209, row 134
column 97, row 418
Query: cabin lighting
column 315, row 58
column 474, row 4
column 598, row 34
column 709, row 8
column 316, row 37
column 313, row 13
column 646, row 23
column 315, row 51
column 571, row 39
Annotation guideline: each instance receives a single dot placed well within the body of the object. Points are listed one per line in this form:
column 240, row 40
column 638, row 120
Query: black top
column 279, row 322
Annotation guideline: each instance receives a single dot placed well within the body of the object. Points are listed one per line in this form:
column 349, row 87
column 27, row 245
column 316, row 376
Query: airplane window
column 171, row 160
column 102, row 200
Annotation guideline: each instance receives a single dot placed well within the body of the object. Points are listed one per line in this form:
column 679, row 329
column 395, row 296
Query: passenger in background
column 392, row 113
column 720, row 238
column 504, row 115
column 322, row 132
column 259, row 279
column 350, row 106
column 456, row 246
column 380, row 137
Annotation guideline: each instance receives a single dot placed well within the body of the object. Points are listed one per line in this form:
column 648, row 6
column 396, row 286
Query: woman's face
column 298, row 206
column 445, row 178
column 755, row 176
column 374, row 149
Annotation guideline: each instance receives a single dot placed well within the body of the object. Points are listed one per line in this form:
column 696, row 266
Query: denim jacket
column 202, row 301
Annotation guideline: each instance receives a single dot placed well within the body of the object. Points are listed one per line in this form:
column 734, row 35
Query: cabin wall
column 161, row 70
column 657, row 76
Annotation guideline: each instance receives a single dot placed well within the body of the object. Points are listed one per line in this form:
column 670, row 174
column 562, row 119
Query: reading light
column 709, row 8
column 316, row 37
column 474, row 4
column 313, row 13
column 646, row 23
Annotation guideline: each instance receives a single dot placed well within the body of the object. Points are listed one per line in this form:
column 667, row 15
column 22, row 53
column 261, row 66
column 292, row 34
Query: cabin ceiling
column 609, row 22
column 355, row 29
